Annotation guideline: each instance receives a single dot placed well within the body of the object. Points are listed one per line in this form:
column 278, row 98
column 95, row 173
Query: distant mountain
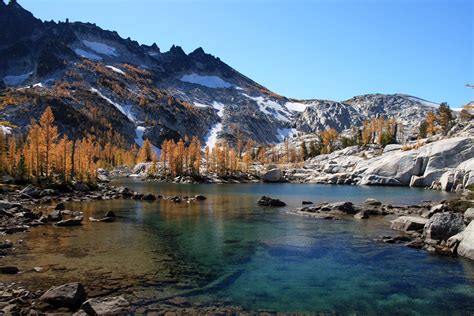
column 320, row 115
column 94, row 80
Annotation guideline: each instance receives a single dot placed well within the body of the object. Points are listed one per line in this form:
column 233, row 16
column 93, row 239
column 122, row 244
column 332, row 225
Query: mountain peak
column 177, row 50
column 198, row 51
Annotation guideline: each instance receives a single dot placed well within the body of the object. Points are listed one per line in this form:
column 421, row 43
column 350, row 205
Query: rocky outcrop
column 436, row 158
column 446, row 164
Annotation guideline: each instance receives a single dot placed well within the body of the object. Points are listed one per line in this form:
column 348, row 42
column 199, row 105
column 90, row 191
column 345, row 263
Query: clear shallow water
column 259, row 258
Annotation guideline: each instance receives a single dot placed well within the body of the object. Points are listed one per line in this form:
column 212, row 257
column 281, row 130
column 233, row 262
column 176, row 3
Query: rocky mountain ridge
column 94, row 78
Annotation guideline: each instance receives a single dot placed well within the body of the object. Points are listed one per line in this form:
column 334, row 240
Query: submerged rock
column 268, row 201
column 69, row 295
column 9, row 270
column 76, row 221
column 106, row 306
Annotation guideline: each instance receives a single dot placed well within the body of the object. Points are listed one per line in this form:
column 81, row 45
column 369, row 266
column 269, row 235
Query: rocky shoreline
column 446, row 227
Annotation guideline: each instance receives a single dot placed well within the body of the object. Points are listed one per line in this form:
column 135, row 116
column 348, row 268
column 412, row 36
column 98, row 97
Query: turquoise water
column 265, row 259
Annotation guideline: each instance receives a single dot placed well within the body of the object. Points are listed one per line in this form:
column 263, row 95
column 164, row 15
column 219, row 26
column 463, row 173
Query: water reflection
column 227, row 249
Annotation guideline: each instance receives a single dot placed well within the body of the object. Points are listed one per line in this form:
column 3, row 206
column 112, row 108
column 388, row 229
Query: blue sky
column 330, row 49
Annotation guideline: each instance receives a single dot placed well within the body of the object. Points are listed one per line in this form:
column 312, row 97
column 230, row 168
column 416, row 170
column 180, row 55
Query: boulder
column 372, row 202
column 408, row 223
column 469, row 215
column 268, row 201
column 361, row 215
column 273, row 175
column 60, row 206
column 56, row 215
column 31, row 191
column 70, row 295
column 200, row 197
column 103, row 175
column 110, row 214
column 8, row 270
column 6, row 179
column 148, row 197
column 447, row 180
column 125, row 192
column 306, row 203
column 5, row 205
column 76, row 221
column 106, row 306
column 344, row 207
column 441, row 226
column 433, row 210
column 466, row 242
column 82, row 187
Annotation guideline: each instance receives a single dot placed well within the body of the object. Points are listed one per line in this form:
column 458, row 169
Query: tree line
column 45, row 156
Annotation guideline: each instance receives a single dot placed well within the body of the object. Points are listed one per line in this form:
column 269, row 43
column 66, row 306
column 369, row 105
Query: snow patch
column 283, row 133
column 139, row 131
column 206, row 81
column 424, row 102
column 16, row 80
column 270, row 107
column 5, row 129
column 100, row 48
column 86, row 54
column 216, row 105
column 125, row 110
column 296, row 106
column 120, row 71
column 211, row 139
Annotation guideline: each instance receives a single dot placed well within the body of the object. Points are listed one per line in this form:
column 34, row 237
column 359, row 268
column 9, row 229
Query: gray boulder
column 273, row 175
column 466, row 245
column 441, row 226
column 69, row 295
column 106, row 306
column 408, row 223
column 469, row 215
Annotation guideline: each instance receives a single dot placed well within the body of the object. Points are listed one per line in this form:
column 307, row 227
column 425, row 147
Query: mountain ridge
column 159, row 94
